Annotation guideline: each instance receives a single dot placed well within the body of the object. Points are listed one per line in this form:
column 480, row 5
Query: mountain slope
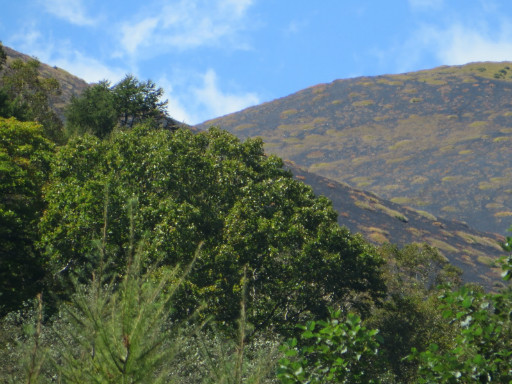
column 437, row 140
column 377, row 219
column 74, row 86
column 381, row 221
column 70, row 84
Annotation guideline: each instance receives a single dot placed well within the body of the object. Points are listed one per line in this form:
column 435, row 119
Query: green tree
column 339, row 350
column 92, row 112
column 24, row 167
column 506, row 265
column 210, row 188
column 136, row 101
column 481, row 350
column 118, row 329
column 409, row 316
column 102, row 107
column 28, row 96
column 3, row 56
column 4, row 101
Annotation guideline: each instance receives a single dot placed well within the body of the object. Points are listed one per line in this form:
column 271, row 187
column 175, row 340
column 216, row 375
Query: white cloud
column 219, row 103
column 27, row 39
column 134, row 35
column 239, row 7
column 455, row 44
column 73, row 11
column 196, row 97
column 186, row 24
column 175, row 105
column 422, row 4
column 88, row 68
column 62, row 54
column 460, row 44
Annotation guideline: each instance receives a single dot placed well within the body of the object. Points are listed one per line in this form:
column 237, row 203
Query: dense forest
column 132, row 251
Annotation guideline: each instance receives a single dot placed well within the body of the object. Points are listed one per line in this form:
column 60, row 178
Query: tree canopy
column 187, row 189
column 24, row 167
column 102, row 106
column 139, row 228
column 27, row 96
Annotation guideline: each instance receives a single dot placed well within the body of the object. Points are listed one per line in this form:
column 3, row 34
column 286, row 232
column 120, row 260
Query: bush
column 339, row 350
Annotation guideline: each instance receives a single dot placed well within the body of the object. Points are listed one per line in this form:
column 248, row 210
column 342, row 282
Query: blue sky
column 219, row 56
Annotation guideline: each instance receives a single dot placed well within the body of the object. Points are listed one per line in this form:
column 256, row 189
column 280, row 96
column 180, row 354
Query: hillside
column 437, row 140
column 377, row 219
column 70, row 84
column 382, row 221
column 73, row 86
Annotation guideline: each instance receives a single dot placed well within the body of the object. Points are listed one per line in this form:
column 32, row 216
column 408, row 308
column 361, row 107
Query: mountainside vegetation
column 69, row 85
column 92, row 109
column 437, row 140
column 476, row 253
column 135, row 253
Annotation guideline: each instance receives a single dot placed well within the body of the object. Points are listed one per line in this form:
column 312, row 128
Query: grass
column 362, row 181
column 475, row 239
column 426, row 215
column 389, row 82
column 502, row 138
column 451, row 179
column 391, row 212
column 415, row 232
column 315, row 155
column 364, row 205
column 486, row 260
column 402, row 200
column 399, row 159
column 503, row 214
column 287, row 113
column 363, row 103
column 442, row 245
column 400, row 144
column 378, row 237
column 485, row 185
column 243, row 127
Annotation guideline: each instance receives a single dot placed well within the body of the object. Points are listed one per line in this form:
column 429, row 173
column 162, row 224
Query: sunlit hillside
column 437, row 140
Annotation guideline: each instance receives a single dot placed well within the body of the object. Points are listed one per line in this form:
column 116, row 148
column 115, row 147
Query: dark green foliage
column 118, row 331
column 339, row 350
column 481, row 350
column 417, row 269
column 209, row 188
column 24, row 167
column 507, row 263
column 115, row 332
column 101, row 107
column 405, row 322
column 137, row 101
column 28, row 96
column 93, row 112
column 409, row 317
column 3, row 56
